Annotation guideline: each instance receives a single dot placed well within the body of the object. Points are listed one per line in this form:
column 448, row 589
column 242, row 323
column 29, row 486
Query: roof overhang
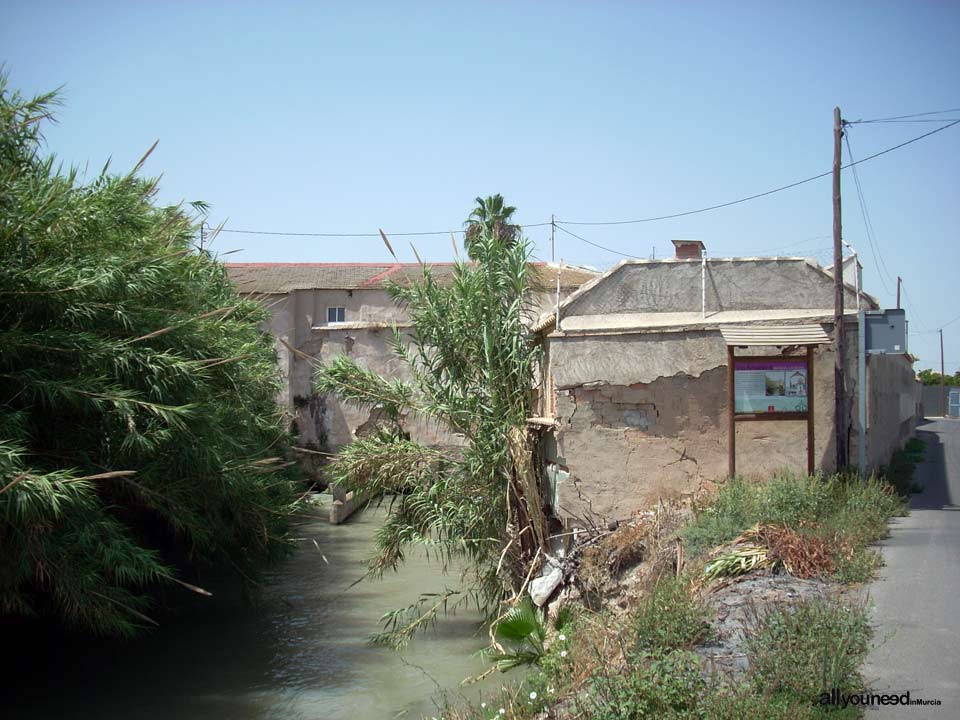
column 774, row 335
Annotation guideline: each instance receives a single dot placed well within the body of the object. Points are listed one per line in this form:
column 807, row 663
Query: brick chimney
column 689, row 249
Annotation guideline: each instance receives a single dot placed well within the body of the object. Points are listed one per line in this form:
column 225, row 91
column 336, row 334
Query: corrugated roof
column 775, row 335
column 283, row 277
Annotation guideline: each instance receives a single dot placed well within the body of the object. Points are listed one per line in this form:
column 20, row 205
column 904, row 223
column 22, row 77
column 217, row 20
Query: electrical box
column 886, row 331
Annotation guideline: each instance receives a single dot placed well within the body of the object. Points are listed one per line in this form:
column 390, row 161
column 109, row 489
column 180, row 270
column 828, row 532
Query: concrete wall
column 893, row 400
column 933, row 401
column 675, row 286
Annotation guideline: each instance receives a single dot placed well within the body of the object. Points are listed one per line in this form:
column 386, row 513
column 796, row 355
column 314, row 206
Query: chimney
column 689, row 249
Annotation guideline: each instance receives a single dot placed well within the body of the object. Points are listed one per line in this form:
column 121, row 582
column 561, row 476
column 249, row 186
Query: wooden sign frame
column 733, row 418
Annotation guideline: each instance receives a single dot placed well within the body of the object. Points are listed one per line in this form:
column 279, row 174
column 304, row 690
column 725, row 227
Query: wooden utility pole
column 943, row 380
column 839, row 341
column 899, row 281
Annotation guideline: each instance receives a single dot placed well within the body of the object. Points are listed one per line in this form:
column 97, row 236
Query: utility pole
column 943, row 380
column 203, row 236
column 839, row 341
column 553, row 229
column 899, row 282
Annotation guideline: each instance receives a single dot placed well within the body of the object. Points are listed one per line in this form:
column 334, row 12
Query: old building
column 638, row 379
column 321, row 310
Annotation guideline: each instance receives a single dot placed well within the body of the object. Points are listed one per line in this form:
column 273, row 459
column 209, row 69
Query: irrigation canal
column 300, row 653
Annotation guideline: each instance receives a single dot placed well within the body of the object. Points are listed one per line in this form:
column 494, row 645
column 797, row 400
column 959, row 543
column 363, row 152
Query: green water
column 300, row 653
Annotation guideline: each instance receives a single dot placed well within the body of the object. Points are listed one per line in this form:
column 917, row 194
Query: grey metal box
column 886, row 331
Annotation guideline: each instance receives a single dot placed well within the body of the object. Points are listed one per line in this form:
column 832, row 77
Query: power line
column 950, row 323
column 763, row 194
column 867, row 224
column 357, row 235
column 906, row 117
column 614, row 222
column 925, row 120
column 913, row 308
column 596, row 245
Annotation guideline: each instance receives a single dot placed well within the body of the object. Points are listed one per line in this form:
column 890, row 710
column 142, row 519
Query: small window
column 336, row 314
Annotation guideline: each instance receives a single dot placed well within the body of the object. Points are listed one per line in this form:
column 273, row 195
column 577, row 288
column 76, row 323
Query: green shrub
column 742, row 701
column 861, row 509
column 808, row 648
column 859, row 566
column 901, row 470
column 792, row 500
column 728, row 514
column 654, row 686
column 669, row 618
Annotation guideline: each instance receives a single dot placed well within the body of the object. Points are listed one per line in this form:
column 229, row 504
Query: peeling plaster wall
column 675, row 286
column 644, row 416
column 336, row 423
column 627, row 359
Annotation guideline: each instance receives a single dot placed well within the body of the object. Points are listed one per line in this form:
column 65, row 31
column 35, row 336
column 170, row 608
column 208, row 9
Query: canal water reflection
column 300, row 653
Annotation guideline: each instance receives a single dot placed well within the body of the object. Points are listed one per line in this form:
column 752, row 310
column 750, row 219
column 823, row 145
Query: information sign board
column 770, row 385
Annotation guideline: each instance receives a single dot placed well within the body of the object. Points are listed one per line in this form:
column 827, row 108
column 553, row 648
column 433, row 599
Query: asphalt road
column 917, row 599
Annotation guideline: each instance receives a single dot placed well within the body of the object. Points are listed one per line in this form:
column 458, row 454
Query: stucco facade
column 638, row 382
column 299, row 295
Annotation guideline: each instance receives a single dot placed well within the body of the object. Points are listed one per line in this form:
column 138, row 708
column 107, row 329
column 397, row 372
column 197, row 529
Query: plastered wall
column 644, row 416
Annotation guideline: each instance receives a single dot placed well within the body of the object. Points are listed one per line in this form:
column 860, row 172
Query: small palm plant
column 524, row 630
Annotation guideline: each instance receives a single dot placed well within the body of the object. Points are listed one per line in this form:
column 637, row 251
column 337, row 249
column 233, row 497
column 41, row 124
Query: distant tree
column 139, row 434
column 929, row 377
column 490, row 216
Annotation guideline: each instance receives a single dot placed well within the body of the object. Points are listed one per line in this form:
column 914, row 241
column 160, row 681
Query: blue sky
column 346, row 117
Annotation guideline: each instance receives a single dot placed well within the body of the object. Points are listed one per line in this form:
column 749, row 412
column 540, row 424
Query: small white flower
column 533, row 696
column 502, row 711
column 561, row 637
column 563, row 653
column 549, row 689
column 483, row 705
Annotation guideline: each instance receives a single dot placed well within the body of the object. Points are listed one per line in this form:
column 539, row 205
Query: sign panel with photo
column 773, row 385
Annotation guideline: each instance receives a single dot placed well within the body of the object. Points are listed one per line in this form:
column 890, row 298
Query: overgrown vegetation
column 653, row 662
column 669, row 618
column 831, row 523
column 802, row 650
column 138, row 431
column 471, row 363
column 902, row 468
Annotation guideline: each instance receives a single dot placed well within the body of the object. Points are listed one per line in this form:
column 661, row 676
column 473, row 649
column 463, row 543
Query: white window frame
column 340, row 312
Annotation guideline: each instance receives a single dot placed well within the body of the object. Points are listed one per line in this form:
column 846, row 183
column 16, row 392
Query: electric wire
column 763, row 194
column 913, row 308
column 357, row 235
column 950, row 322
column 925, row 120
column 597, row 245
column 867, row 225
column 907, row 117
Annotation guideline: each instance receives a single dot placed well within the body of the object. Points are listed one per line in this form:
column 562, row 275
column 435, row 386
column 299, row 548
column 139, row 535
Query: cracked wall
column 340, row 423
column 633, row 429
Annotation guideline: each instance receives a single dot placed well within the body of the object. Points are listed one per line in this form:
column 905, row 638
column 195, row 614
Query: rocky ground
column 737, row 603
